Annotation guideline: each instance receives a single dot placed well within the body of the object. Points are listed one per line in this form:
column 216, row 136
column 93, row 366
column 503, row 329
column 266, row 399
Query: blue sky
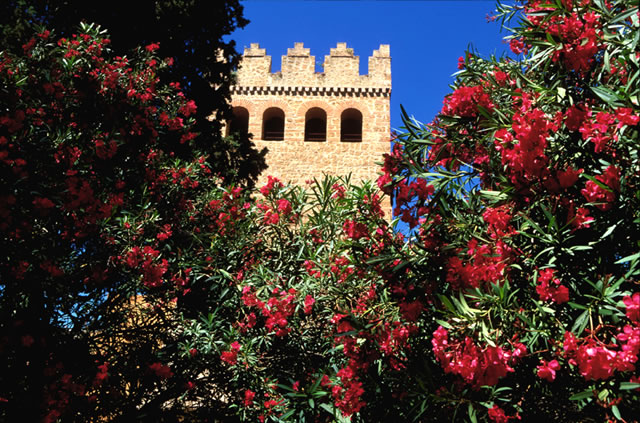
column 426, row 39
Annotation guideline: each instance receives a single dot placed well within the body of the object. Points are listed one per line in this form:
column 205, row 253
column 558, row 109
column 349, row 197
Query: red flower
column 517, row 46
column 162, row 371
column 551, row 292
column 626, row 117
column 464, row 102
column 229, row 357
column 249, row 395
column 284, row 206
column 580, row 218
column 497, row 414
column 632, row 303
column 548, row 370
column 355, row 230
column 568, row 177
column 102, row 374
column 27, row 340
column 43, row 203
column 272, row 183
column 188, row 108
column 152, row 47
column 309, row 301
column 603, row 198
column 575, row 115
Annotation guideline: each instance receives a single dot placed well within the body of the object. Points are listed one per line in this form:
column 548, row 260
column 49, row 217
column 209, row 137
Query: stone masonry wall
column 296, row 89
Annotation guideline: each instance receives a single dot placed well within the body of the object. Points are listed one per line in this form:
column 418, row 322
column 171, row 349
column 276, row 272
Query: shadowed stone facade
column 335, row 122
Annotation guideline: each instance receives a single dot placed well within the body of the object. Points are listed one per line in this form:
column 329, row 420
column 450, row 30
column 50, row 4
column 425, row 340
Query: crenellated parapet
column 340, row 74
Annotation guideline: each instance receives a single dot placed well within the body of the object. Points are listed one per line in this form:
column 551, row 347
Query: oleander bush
column 102, row 185
column 523, row 195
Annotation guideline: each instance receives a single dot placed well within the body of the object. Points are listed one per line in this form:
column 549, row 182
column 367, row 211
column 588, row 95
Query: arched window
column 315, row 126
column 273, row 124
column 239, row 122
column 351, row 126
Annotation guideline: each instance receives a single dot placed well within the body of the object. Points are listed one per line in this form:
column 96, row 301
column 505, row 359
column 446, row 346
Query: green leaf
column 444, row 324
column 609, row 231
column 580, row 323
column 335, row 413
column 624, row 15
column 581, row 395
column 548, row 310
column 616, row 412
column 606, row 95
column 447, row 303
column 472, row 413
column 625, row 386
column 602, row 395
column 494, row 195
column 577, row 306
column 628, row 258
column 287, row 414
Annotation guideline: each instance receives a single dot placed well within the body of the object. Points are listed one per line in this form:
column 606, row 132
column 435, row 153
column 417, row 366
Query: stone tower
column 334, row 122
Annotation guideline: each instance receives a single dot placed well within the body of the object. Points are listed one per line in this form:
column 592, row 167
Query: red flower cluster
column 597, row 360
column 102, row 374
column 59, row 394
column 551, row 291
column 152, row 270
column 222, row 216
column 517, row 46
column 579, row 34
column 272, row 183
column 355, row 230
column 526, row 157
column 497, row 414
column 498, row 220
column 603, row 197
column 486, row 264
column 464, row 102
column 161, row 370
column 548, row 370
column 390, row 167
column 309, row 301
column 575, row 115
column 277, row 310
column 475, row 365
column 347, row 394
column 249, row 395
column 411, row 200
column 231, row 357
column 272, row 215
column 632, row 303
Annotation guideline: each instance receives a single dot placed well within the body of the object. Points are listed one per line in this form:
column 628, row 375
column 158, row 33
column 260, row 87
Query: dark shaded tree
column 190, row 32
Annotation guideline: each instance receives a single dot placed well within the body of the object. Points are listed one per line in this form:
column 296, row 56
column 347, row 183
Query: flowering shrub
column 312, row 318
column 530, row 228
column 101, row 210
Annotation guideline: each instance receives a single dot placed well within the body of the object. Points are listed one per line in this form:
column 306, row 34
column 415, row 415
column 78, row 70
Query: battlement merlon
column 341, row 68
column 380, row 65
column 298, row 66
column 255, row 66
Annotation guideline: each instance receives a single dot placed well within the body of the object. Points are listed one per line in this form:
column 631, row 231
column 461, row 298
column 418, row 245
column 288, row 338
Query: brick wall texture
column 297, row 89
